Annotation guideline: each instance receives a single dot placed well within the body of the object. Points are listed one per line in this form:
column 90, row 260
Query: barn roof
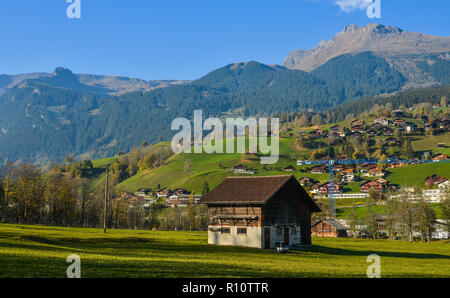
column 254, row 190
column 334, row 223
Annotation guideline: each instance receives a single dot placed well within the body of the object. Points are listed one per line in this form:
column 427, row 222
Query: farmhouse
column 329, row 228
column 349, row 177
column 382, row 121
column 318, row 170
column 261, row 212
column 163, row 193
column 366, row 187
column 143, row 192
column 306, row 181
column 289, row 169
column 358, row 122
column 240, row 168
column 435, row 180
column 326, row 188
column 399, row 122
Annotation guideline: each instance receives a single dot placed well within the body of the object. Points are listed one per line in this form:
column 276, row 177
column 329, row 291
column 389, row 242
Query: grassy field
column 29, row 251
column 431, row 143
column 415, row 175
column 377, row 208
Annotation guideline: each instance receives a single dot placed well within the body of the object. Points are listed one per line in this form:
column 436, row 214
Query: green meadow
column 37, row 251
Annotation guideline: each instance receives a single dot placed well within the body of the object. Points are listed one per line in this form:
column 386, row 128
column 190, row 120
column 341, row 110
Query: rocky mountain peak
column 386, row 41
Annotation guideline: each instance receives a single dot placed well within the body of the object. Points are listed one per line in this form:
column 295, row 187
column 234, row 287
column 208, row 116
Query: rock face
column 397, row 46
column 112, row 85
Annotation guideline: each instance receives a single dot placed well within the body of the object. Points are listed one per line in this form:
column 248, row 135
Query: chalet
column 240, row 169
column 445, row 125
column 366, row 187
column 181, row 191
column 176, row 203
column 382, row 121
column 376, row 126
column 335, row 128
column 382, row 181
column 316, row 134
column 349, row 177
column 329, row 228
column 306, row 181
column 143, row 192
column 338, row 168
column 135, row 200
column 163, row 193
column 347, row 171
column 374, row 172
column 318, row 170
column 357, row 128
column 261, row 212
column 434, row 180
column 364, row 168
column 314, row 188
column 289, row 169
column 131, row 198
column 358, row 122
column 182, row 200
column 428, row 127
column 127, row 196
column 444, row 184
column 399, row 122
column 335, row 137
column 440, row 157
column 326, row 188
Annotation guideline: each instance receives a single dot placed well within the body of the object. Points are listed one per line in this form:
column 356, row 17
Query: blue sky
column 168, row 39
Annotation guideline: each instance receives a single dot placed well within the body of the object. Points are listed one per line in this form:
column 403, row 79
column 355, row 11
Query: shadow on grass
column 348, row 252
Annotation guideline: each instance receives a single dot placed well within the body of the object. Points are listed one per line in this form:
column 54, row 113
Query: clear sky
column 182, row 39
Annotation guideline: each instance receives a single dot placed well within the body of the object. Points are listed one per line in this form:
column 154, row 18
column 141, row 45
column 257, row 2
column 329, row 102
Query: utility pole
column 5, row 203
column 106, row 202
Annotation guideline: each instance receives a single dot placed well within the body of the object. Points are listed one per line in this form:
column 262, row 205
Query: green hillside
column 415, row 175
column 213, row 168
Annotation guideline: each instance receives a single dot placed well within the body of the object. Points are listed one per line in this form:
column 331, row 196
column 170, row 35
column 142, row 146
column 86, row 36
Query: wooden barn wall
column 234, row 211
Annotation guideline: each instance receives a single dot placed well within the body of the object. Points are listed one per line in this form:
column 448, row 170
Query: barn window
column 242, row 231
column 225, row 230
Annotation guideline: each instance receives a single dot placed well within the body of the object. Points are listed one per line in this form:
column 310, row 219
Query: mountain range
column 113, row 85
column 411, row 53
column 45, row 117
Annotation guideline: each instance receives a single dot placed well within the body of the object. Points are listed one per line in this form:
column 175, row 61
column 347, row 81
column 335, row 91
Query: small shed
column 329, row 228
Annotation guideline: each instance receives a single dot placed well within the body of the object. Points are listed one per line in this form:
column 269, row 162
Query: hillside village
column 150, row 187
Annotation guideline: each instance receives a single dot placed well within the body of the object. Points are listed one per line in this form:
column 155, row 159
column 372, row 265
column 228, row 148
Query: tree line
column 30, row 196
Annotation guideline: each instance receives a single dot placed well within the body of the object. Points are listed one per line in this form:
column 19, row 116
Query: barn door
column 266, row 238
column 286, row 236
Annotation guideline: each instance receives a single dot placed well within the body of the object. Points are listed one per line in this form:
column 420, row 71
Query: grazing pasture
column 37, row 251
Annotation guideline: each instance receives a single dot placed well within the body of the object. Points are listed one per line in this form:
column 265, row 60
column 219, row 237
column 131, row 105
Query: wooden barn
column 329, row 228
column 259, row 212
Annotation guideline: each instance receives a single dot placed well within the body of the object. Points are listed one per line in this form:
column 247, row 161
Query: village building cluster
column 179, row 197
